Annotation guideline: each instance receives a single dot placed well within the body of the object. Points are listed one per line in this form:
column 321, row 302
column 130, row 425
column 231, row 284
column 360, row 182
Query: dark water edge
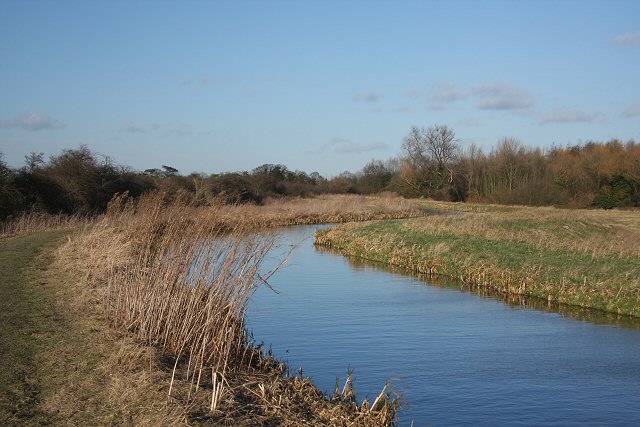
column 457, row 358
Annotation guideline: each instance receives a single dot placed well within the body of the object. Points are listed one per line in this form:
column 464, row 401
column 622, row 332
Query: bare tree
column 432, row 152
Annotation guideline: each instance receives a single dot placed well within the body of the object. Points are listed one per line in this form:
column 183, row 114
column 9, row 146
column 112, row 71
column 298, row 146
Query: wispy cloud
column 567, row 116
column 130, row 127
column 501, row 96
column 629, row 39
column 368, row 96
column 31, row 121
column 445, row 92
column 633, row 111
column 346, row 146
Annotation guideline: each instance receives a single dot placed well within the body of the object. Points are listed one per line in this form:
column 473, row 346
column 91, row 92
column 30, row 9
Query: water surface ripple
column 456, row 358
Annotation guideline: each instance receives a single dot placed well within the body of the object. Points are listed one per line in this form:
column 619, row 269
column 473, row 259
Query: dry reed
column 179, row 278
column 37, row 221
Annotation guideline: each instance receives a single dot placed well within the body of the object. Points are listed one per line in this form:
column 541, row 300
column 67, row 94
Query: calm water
column 456, row 358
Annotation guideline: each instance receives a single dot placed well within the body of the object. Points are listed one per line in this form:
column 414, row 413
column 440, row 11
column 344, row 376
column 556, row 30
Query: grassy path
column 60, row 362
column 27, row 316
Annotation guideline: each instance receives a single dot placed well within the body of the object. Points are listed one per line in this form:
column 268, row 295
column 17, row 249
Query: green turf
column 26, row 314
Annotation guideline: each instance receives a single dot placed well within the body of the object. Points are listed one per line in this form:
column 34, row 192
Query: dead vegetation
column 37, row 221
column 176, row 280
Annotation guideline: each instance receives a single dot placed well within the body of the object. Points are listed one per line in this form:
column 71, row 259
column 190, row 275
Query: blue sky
column 316, row 85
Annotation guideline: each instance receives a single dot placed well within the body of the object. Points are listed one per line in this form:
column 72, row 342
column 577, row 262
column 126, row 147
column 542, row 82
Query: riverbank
column 583, row 258
column 118, row 328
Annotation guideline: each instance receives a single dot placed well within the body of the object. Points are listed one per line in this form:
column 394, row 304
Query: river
column 455, row 357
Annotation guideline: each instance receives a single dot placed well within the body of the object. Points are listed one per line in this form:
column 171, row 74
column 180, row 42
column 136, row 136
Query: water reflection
column 514, row 301
column 457, row 359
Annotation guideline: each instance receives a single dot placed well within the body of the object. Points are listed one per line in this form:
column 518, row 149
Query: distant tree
column 374, row 177
column 431, row 153
column 10, row 198
column 168, row 171
column 269, row 179
column 316, row 178
column 34, row 161
column 153, row 172
column 231, row 188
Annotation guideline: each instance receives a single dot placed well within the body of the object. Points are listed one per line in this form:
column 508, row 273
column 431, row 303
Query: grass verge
column 26, row 312
column 583, row 258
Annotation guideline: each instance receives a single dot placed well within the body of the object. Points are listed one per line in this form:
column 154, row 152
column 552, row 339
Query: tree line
column 595, row 174
column 432, row 164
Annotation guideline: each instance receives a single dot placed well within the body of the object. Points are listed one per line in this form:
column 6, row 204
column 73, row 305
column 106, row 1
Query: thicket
column 432, row 164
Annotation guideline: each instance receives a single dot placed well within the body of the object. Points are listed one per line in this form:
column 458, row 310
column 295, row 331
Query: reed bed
column 32, row 222
column 179, row 279
column 320, row 210
column 584, row 258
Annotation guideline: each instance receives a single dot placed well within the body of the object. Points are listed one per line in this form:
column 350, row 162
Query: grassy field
column 585, row 258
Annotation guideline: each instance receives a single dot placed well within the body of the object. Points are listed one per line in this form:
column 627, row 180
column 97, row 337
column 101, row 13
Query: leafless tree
column 432, row 152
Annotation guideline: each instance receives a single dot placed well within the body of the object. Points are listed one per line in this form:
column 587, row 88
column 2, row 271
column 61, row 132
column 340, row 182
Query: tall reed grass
column 180, row 279
column 38, row 221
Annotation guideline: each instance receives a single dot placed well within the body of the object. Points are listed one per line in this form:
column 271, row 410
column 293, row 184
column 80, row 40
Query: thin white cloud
column 567, row 116
column 130, row 127
column 629, row 39
column 501, row 96
column 445, row 92
column 345, row 146
column 633, row 111
column 368, row 96
column 31, row 121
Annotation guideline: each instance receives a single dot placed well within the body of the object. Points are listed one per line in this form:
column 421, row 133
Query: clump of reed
column 31, row 222
column 320, row 209
column 179, row 279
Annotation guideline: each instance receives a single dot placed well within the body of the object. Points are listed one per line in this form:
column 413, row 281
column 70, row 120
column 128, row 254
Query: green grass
column 27, row 314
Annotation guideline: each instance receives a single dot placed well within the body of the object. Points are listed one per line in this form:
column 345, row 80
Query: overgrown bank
column 582, row 258
column 151, row 300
